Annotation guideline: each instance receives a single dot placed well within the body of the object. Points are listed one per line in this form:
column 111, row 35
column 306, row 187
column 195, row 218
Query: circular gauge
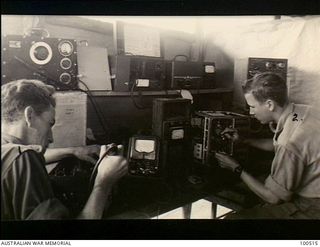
column 65, row 63
column 65, row 78
column 281, row 65
column 65, row 48
column 40, row 53
column 268, row 65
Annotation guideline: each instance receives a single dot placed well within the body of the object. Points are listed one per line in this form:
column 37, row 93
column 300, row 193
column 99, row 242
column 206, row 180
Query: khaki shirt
column 295, row 169
column 26, row 192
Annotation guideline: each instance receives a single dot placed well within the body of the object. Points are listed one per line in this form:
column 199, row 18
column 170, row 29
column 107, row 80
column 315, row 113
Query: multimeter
column 143, row 156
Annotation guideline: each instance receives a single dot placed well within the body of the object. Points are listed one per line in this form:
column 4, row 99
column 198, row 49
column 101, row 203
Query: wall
column 294, row 38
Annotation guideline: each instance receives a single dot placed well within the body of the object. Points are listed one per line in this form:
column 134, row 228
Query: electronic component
column 52, row 60
column 190, row 75
column 184, row 74
column 209, row 75
column 259, row 65
column 65, row 48
column 214, row 122
column 135, row 73
column 246, row 68
column 70, row 179
column 171, row 123
column 143, row 156
column 171, row 118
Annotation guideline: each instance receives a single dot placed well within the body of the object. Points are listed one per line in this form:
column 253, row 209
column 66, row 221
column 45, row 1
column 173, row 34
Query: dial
column 281, row 65
column 65, row 48
column 65, row 78
column 177, row 134
column 65, row 63
column 40, row 53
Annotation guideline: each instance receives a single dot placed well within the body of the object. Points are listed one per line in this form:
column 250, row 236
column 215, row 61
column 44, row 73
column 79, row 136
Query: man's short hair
column 17, row 95
column 267, row 85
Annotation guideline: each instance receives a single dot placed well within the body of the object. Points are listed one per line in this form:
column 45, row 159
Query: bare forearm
column 259, row 189
column 55, row 154
column 96, row 204
column 263, row 144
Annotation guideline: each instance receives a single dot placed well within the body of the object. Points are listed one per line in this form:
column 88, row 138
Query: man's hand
column 87, row 153
column 111, row 168
column 225, row 161
column 231, row 134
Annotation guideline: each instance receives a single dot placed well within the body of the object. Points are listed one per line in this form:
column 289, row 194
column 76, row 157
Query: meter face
column 65, row 48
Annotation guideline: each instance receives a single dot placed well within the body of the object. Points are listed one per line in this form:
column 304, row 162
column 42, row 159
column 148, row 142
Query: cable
column 99, row 113
column 138, row 106
column 112, row 149
column 180, row 55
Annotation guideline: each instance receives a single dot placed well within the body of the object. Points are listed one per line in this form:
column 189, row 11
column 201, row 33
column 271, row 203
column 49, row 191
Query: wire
column 99, row 113
column 180, row 55
column 138, row 106
column 111, row 150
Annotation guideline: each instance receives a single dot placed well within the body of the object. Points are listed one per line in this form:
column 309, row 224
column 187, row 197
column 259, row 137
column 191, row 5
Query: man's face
column 259, row 110
column 42, row 126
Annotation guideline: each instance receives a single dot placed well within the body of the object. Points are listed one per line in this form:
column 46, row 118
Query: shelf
column 167, row 92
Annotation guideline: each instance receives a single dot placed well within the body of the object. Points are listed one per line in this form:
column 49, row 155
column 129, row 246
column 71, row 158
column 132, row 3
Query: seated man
column 292, row 190
column 28, row 114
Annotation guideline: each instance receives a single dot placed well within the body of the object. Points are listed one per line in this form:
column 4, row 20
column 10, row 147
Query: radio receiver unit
column 137, row 73
column 191, row 75
column 246, row 68
column 51, row 60
column 171, row 123
column 213, row 124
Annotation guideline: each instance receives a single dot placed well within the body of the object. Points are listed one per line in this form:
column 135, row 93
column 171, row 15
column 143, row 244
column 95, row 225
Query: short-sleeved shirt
column 295, row 170
column 26, row 192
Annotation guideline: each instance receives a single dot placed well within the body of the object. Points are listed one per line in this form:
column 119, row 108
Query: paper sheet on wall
column 71, row 119
column 296, row 39
column 143, row 41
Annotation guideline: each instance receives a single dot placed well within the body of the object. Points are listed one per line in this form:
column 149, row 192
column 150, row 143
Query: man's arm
column 265, row 144
column 110, row 170
column 255, row 185
column 96, row 204
column 259, row 189
column 84, row 153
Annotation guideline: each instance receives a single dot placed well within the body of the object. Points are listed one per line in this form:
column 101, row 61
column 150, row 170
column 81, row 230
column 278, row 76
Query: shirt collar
column 283, row 117
column 6, row 138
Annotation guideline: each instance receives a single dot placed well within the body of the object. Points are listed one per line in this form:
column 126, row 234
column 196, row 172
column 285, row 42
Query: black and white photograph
column 200, row 120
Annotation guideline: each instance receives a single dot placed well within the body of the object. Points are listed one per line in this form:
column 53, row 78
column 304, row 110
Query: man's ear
column 270, row 104
column 29, row 115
